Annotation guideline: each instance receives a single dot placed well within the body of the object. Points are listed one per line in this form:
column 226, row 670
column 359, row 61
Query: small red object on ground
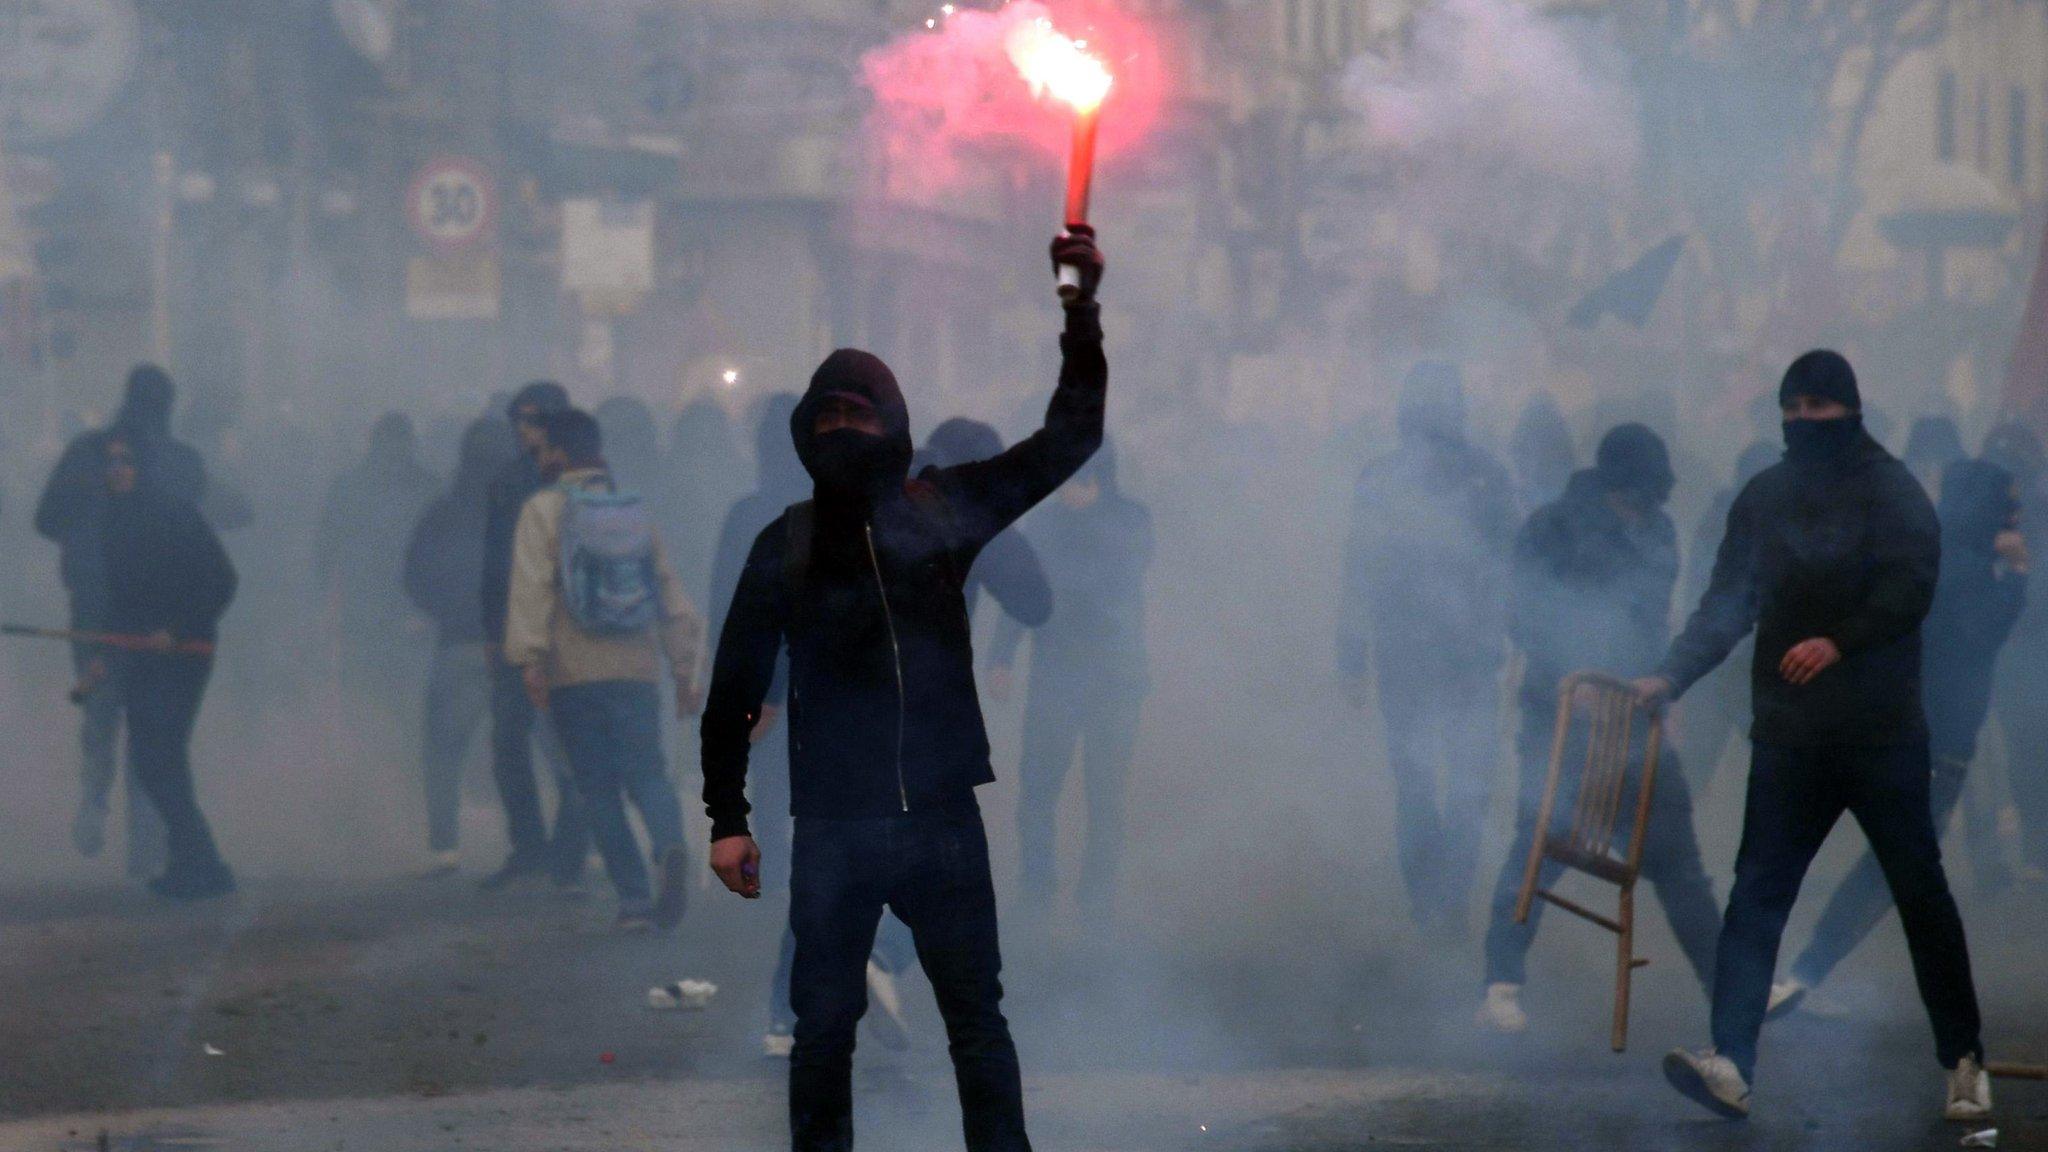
column 605, row 1058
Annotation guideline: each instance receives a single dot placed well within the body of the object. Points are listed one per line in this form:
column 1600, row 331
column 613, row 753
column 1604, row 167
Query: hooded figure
column 359, row 551
column 1008, row 567
column 2022, row 708
column 1593, row 575
column 1932, row 444
column 866, row 586
column 1424, row 602
column 1831, row 557
column 705, row 472
column 1976, row 604
column 72, row 513
column 443, row 576
column 1089, row 678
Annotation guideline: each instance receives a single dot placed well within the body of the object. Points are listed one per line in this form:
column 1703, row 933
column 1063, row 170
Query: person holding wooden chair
column 1590, row 588
column 1831, row 556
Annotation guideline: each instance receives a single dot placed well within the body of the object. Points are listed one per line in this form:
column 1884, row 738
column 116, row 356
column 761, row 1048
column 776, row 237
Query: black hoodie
column 1844, row 547
column 882, row 707
column 166, row 570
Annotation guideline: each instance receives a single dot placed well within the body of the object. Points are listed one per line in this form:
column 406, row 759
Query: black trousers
column 512, row 721
column 931, row 869
column 162, row 693
column 1795, row 797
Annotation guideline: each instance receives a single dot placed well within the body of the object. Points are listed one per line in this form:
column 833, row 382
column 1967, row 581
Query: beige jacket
column 538, row 630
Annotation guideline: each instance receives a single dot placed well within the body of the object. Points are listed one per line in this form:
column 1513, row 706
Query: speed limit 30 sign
column 452, row 203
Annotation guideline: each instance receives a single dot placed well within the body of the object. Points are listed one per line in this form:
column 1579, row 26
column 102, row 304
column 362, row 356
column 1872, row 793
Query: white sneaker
column 691, row 994
column 1785, row 998
column 777, row 1044
column 1502, row 1011
column 1710, row 1080
column 1969, row 1091
column 444, row 863
column 891, row 1027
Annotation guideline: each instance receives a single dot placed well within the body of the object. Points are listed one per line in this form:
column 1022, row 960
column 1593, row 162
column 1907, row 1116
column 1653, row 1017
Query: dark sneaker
column 516, row 870
column 207, row 885
column 674, row 894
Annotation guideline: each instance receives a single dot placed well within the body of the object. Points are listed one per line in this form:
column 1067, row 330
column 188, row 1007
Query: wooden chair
column 1601, row 800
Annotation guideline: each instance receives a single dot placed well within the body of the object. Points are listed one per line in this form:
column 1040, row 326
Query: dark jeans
column 512, row 736
column 1795, row 797
column 1069, row 710
column 1671, row 859
column 612, row 732
column 1450, row 726
column 162, row 693
column 458, row 699
column 931, row 869
column 1862, row 900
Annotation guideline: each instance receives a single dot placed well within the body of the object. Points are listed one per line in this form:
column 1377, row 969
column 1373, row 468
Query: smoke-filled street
column 391, row 1016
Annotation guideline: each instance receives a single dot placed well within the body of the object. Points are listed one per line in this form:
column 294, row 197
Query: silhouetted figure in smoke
column 595, row 610
column 1831, row 556
column 1977, row 601
column 866, row 585
column 514, row 725
column 72, row 513
column 1932, row 444
column 1089, row 678
column 2021, row 706
column 705, row 475
column 1592, row 579
column 1425, row 597
column 167, row 577
column 444, row 566
column 1541, row 452
column 1718, row 705
column 632, row 444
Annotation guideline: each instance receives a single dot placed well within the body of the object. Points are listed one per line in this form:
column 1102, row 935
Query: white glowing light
column 946, row 8
column 731, row 377
column 931, row 23
column 1053, row 63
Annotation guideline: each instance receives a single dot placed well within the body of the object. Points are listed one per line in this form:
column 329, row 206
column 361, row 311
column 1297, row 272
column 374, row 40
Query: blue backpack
column 608, row 573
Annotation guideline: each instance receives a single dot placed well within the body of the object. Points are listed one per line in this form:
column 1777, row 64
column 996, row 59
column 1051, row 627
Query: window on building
column 1945, row 119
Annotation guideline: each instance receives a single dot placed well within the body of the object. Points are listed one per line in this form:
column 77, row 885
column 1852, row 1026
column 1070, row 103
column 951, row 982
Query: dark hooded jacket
column 72, row 510
column 1008, row 567
column 1590, row 590
column 444, row 561
column 882, row 707
column 1097, row 558
column 1976, row 604
column 165, row 569
column 365, row 523
column 1846, row 547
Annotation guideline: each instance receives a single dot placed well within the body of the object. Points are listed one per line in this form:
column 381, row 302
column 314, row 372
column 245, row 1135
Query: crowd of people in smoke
column 571, row 565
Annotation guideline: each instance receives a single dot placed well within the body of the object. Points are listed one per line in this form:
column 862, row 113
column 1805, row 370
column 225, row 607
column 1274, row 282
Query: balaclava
column 846, row 464
column 1824, row 374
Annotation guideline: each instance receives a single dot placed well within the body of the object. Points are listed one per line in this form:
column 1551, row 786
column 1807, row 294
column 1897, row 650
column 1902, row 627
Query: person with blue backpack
column 595, row 606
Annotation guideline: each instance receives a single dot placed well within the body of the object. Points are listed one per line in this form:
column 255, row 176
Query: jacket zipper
column 896, row 650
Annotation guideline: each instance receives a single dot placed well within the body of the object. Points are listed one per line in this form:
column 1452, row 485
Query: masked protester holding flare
column 864, row 584
column 1831, row 556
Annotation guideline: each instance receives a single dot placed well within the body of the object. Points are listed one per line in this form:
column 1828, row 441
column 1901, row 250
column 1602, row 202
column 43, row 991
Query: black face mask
column 847, row 460
column 1817, row 440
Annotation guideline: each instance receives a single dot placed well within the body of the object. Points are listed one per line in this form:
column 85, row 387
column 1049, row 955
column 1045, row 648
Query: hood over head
column 1432, row 403
column 846, row 462
column 1976, row 504
column 1823, row 373
column 1934, row 442
column 1541, row 445
column 961, row 441
column 147, row 402
column 545, row 395
column 1632, row 458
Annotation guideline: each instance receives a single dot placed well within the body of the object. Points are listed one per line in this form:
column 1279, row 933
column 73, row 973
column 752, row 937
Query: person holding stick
column 168, row 578
column 1831, row 556
column 865, row 585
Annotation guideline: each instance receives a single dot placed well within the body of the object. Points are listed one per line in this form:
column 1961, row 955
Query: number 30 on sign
column 451, row 203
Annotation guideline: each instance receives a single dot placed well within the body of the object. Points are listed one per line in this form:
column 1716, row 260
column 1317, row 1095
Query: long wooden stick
column 2018, row 1071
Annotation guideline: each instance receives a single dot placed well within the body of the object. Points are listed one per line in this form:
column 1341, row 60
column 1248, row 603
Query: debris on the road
column 1988, row 1138
column 210, row 1050
column 605, row 1058
column 691, row 994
